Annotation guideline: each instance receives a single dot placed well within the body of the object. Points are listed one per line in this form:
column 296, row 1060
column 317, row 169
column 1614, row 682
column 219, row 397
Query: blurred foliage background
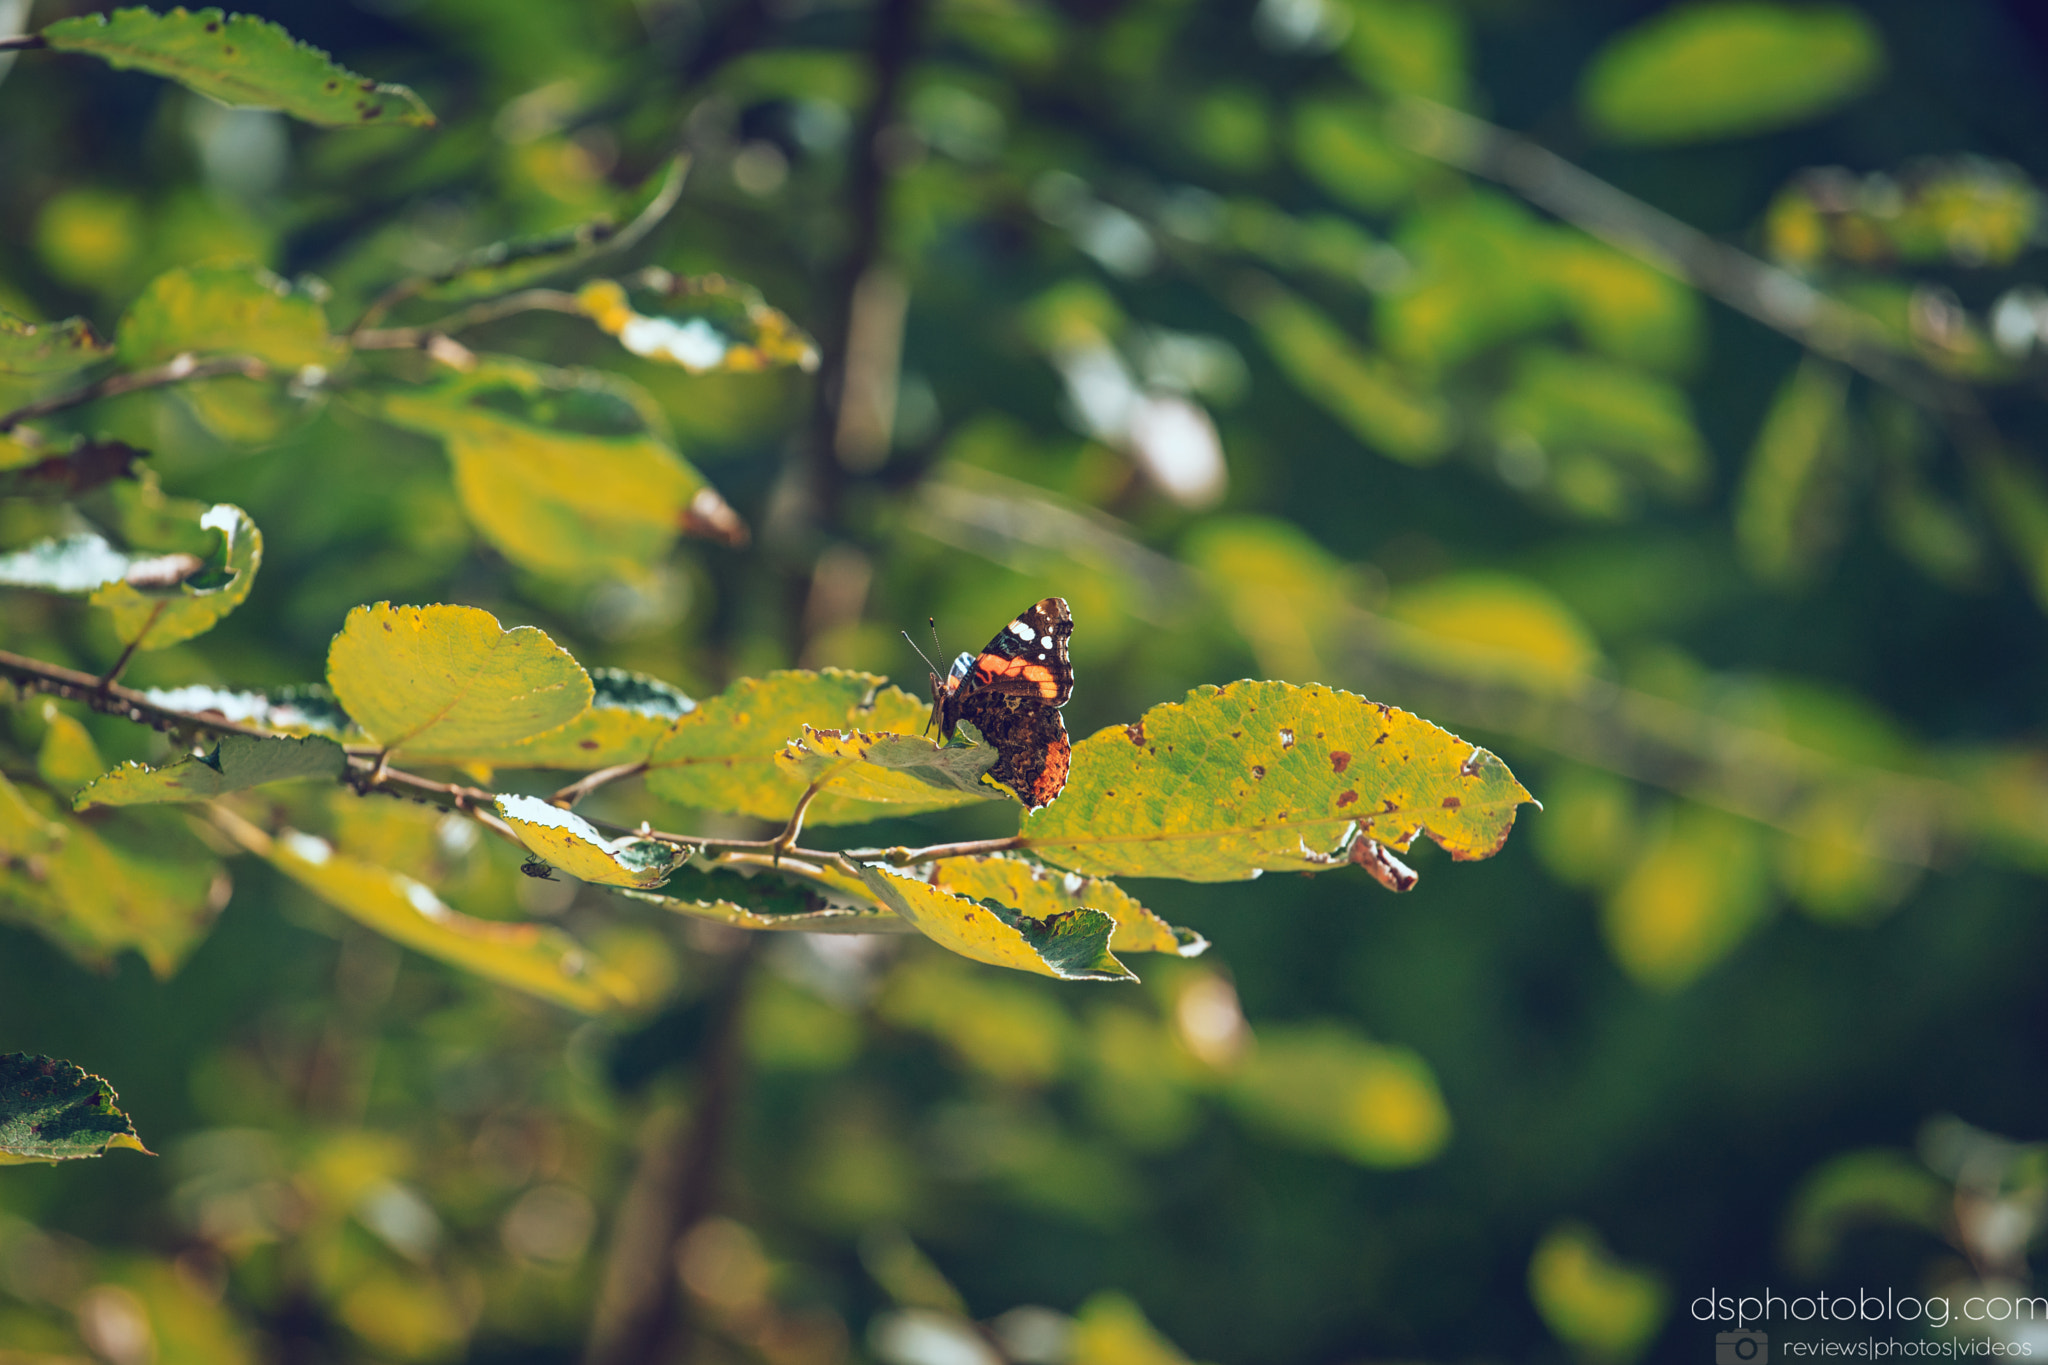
column 1681, row 445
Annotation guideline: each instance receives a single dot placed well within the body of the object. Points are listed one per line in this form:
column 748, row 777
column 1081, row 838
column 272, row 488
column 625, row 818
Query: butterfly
column 1012, row 692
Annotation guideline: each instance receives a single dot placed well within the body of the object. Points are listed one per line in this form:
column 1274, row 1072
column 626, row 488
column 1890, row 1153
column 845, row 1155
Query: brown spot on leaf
column 1135, row 732
column 213, row 28
column 586, row 744
column 227, row 50
column 1346, row 798
column 1452, row 803
column 373, row 113
column 1339, row 760
column 1287, row 739
column 1388, row 806
column 1259, row 771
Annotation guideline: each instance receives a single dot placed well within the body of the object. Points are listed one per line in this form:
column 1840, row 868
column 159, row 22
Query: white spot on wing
column 1023, row 631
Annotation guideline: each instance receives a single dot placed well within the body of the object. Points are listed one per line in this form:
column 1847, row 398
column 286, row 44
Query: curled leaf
column 55, row 1111
column 565, row 840
column 1071, row 945
column 1041, row 892
column 706, row 324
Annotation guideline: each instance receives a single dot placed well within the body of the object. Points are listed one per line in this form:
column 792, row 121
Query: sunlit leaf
column 450, row 680
column 1499, row 627
column 1697, row 889
column 891, row 769
column 67, row 758
column 235, row 763
column 306, row 709
column 628, row 716
column 1341, row 144
column 55, row 1111
column 1282, row 590
column 239, row 60
column 1601, row 434
column 1724, row 68
column 1041, row 892
column 705, row 323
column 1407, row 47
column 158, row 616
column 726, row 755
column 539, row 960
column 1327, row 1087
column 1364, row 391
column 1623, row 307
column 1072, row 945
column 1262, row 776
column 1601, row 1306
column 565, row 471
column 1479, row 274
column 565, row 840
column 48, row 348
column 226, row 309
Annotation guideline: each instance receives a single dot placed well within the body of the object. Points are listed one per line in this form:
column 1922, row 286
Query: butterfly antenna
column 920, row 653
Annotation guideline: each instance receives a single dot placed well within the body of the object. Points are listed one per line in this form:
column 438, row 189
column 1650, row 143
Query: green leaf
column 227, row 309
column 1480, row 273
column 55, row 1111
column 156, row 617
column 1601, row 1306
column 726, row 755
column 1262, row 776
column 241, row 61
column 1344, row 148
column 529, row 957
column 792, row 895
column 1859, row 1189
column 1725, row 68
column 893, row 769
column 1786, row 513
column 1042, row 892
column 1601, row 433
column 1324, row 1086
column 1698, row 887
column 1109, row 1329
column 1407, row 47
column 48, row 348
column 451, row 680
column 137, row 881
column 67, row 758
column 236, row 763
column 565, row 840
column 1072, row 945
column 564, row 471
column 706, row 324
column 1363, row 391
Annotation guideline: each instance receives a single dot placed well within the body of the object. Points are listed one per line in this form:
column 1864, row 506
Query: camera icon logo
column 1741, row 1348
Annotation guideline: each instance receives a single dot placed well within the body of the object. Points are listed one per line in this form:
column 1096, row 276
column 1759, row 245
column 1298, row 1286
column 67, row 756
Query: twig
column 905, row 857
column 113, row 675
column 1776, row 298
column 173, row 371
column 490, row 310
column 568, row 796
column 783, row 842
column 23, row 43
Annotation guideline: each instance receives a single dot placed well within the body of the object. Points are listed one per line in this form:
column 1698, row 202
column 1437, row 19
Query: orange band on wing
column 993, row 666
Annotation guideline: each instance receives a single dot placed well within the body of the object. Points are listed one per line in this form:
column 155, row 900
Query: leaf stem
column 112, row 675
column 23, row 42
column 476, row 315
column 176, row 370
column 568, row 796
column 904, row 857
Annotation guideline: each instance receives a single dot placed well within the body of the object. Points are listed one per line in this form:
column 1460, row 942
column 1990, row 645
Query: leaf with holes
column 565, row 840
column 1071, row 945
column 43, row 349
column 891, row 769
column 1041, row 892
column 241, row 61
column 568, row 472
column 236, row 763
column 706, row 324
column 451, row 680
column 151, row 616
column 529, row 957
column 55, row 1111
column 1270, row 776
column 301, row 709
column 726, row 755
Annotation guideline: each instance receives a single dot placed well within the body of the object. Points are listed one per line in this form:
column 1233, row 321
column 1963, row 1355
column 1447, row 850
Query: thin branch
column 905, row 857
column 1776, row 298
column 176, row 370
column 23, row 43
column 568, row 796
column 113, row 675
column 476, row 315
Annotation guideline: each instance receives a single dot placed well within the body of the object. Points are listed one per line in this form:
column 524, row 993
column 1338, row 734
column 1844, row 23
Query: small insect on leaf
column 538, row 870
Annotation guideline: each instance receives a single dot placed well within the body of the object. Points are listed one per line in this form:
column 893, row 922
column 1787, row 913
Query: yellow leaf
column 1262, row 776
column 1603, row 1308
column 1073, row 946
column 1041, row 892
column 1696, row 891
column 567, row 841
column 1376, row 1105
column 450, row 680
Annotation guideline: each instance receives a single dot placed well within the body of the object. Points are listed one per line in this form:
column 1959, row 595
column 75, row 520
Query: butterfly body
column 1012, row 692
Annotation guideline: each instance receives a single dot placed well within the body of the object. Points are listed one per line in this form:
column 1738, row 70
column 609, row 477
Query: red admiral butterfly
column 1012, row 692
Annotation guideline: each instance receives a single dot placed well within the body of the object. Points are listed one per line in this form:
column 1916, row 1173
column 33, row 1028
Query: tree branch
column 176, row 370
column 23, row 43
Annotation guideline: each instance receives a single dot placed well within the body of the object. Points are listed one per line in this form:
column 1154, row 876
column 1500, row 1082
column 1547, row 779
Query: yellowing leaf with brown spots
column 891, row 769
column 1270, row 776
column 450, row 680
column 1040, row 892
column 1073, row 946
column 726, row 754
